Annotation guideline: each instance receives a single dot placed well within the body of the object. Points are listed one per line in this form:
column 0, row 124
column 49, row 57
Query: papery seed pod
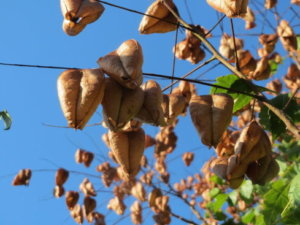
column 268, row 41
column 166, row 141
column 263, row 70
column 124, row 65
column 211, row 115
column 231, row 8
column 99, row 218
column 117, row 205
column 79, row 13
column 58, row 191
column 269, row 4
column 128, row 148
column 151, row 111
column 144, row 161
column 80, row 92
column 226, row 144
column 87, row 188
column 85, row 157
column 138, row 191
column 127, row 103
column 228, row 46
column 257, row 170
column 136, row 213
column 177, row 105
column 271, row 172
column 274, row 85
column 89, row 205
column 22, row 178
column 155, row 193
column 162, row 218
column 157, row 9
column 247, row 63
column 165, row 177
column 292, row 78
column 186, row 89
column 287, row 36
column 188, row 158
column 244, row 118
column 77, row 214
column 161, row 203
column 71, row 199
column 132, row 125
column 147, row 178
column 105, row 139
column 187, row 51
column 109, row 174
column 249, row 18
column 61, row 176
column 297, row 2
column 219, row 166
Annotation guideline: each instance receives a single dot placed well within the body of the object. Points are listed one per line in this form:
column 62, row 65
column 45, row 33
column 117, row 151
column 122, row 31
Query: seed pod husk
column 151, row 25
column 124, row 65
column 80, row 92
column 231, row 8
column 71, row 199
column 61, row 176
column 58, row 191
column 22, row 178
column 126, row 104
column 77, row 214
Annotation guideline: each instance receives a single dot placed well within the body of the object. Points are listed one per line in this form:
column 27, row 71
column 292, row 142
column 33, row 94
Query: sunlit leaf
column 271, row 122
column 248, row 217
column 214, row 192
column 220, row 200
column 4, row 115
column 246, row 190
column 294, row 193
column 233, row 196
column 259, row 220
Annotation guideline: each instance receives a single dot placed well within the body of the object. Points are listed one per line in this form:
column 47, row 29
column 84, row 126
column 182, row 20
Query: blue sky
column 31, row 34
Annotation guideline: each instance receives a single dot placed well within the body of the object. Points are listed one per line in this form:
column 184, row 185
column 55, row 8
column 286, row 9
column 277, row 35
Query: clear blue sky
column 31, row 34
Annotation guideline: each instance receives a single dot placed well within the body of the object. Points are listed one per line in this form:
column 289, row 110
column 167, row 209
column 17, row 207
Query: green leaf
column 275, row 200
column 274, row 66
column 298, row 42
column 220, row 216
column 214, row 192
column 248, row 217
column 259, row 220
column 216, row 179
column 6, row 118
column 271, row 122
column 233, row 196
column 246, row 190
column 220, row 200
column 235, row 83
column 294, row 192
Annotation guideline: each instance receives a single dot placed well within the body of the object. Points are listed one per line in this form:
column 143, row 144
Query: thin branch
column 183, row 219
column 234, row 45
column 174, row 57
column 189, row 73
column 219, row 21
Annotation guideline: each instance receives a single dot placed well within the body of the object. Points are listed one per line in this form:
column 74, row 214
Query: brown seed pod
column 85, row 157
column 87, row 188
column 138, row 191
column 249, row 18
column 211, row 115
column 226, row 144
column 117, row 205
column 151, row 111
column 61, row 176
column 128, row 148
column 109, row 174
column 297, row 2
column 99, row 218
column 157, row 9
column 80, row 92
column 188, row 158
column 124, row 65
column 292, row 78
column 77, row 214
column 127, row 103
column 89, row 205
column 263, row 69
column 219, row 166
column 147, row 178
column 274, row 85
column 231, row 8
column 287, row 36
column 136, row 213
column 173, row 105
column 269, row 4
column 246, row 61
column 22, row 178
column 58, row 191
column 227, row 46
column 257, row 170
column 155, row 193
column 79, row 13
column 71, row 199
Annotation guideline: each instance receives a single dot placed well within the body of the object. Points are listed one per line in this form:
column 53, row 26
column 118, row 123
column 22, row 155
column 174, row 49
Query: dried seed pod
column 80, row 92
column 155, row 193
column 87, row 188
column 144, row 161
column 297, row 2
column 269, row 4
column 151, row 111
column 77, row 214
column 124, row 65
column 227, row 143
column 58, row 191
column 246, row 62
column 186, row 89
column 287, row 36
column 109, row 174
column 188, row 158
column 211, row 115
column 61, row 176
column 249, row 18
column 263, row 69
column 274, row 85
column 89, row 205
column 138, row 191
column 173, row 105
column 149, row 141
column 71, row 199
column 192, row 53
column 231, row 8
column 257, row 170
column 162, row 218
column 105, row 139
column 136, row 213
column 85, row 157
column 99, row 218
column 127, row 103
column 128, row 148
column 292, row 78
column 132, row 125
column 147, row 178
column 268, row 41
column 166, row 141
column 79, row 13
column 22, row 178
column 117, row 205
column 219, row 166
column 244, row 118
column 161, row 203
column 157, row 9
column 227, row 46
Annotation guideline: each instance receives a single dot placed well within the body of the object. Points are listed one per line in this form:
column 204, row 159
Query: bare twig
column 183, row 219
column 234, row 44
